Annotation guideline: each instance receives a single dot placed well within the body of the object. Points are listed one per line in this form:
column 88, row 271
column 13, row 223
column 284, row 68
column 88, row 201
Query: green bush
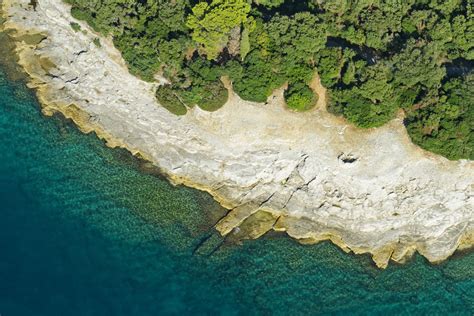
column 75, row 26
column 170, row 100
column 364, row 113
column 258, row 79
column 446, row 127
column 96, row 42
column 213, row 96
column 300, row 97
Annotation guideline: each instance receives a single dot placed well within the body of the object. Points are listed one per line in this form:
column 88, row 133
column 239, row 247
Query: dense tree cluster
column 374, row 56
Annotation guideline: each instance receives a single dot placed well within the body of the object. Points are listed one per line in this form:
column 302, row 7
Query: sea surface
column 88, row 230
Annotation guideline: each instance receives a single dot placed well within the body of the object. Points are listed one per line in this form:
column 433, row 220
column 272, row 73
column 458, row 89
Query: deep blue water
column 87, row 230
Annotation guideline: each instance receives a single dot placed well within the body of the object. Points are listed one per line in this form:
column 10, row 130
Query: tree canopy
column 214, row 24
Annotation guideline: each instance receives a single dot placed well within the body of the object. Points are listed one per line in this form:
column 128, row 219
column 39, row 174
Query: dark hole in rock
column 349, row 158
column 34, row 4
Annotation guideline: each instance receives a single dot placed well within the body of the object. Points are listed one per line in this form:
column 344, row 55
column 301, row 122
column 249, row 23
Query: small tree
column 211, row 24
column 300, row 97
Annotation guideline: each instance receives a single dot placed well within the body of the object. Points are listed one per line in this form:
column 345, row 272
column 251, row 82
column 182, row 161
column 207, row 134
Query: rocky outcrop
column 309, row 174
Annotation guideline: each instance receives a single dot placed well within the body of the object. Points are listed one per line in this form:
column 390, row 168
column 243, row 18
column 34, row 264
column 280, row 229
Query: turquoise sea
column 88, row 230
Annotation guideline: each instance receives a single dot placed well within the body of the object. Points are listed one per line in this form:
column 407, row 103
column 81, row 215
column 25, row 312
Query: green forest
column 375, row 57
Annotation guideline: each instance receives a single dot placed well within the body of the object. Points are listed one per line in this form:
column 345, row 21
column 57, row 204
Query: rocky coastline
column 310, row 174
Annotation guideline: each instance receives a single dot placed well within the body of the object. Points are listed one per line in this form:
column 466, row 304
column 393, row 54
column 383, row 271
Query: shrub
column 96, row 42
column 364, row 113
column 300, row 97
column 170, row 100
column 213, row 96
column 75, row 26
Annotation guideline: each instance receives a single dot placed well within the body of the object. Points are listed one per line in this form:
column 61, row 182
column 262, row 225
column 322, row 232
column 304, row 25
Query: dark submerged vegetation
column 374, row 56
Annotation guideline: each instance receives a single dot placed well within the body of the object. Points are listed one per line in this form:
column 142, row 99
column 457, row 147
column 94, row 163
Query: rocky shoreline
column 309, row 174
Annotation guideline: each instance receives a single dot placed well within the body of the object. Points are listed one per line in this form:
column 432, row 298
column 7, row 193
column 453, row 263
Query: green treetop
column 269, row 3
column 213, row 24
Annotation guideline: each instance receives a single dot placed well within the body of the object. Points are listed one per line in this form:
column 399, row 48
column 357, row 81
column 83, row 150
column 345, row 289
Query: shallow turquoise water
column 86, row 230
